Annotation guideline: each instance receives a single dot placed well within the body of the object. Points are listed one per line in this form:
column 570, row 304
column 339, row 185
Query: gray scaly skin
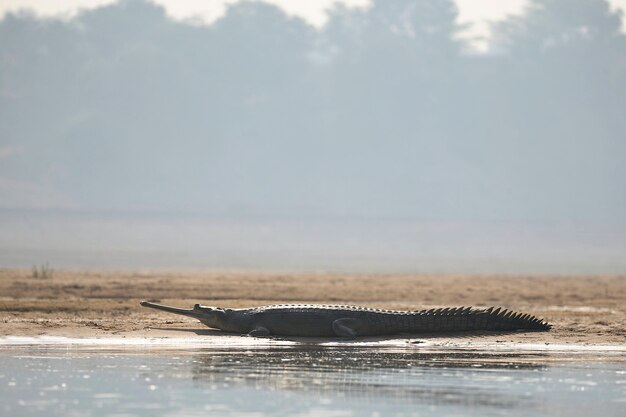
column 351, row 321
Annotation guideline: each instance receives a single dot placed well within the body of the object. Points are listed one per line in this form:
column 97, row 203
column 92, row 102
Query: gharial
column 352, row 321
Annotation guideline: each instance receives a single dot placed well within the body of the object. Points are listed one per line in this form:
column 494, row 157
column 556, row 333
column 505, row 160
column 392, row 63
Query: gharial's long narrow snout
column 195, row 313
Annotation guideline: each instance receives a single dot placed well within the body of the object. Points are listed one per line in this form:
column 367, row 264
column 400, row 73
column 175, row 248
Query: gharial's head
column 210, row 316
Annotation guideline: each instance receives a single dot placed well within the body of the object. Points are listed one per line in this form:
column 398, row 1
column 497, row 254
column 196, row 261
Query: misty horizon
column 381, row 114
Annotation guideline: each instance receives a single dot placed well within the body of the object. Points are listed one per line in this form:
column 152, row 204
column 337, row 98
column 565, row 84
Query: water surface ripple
column 302, row 381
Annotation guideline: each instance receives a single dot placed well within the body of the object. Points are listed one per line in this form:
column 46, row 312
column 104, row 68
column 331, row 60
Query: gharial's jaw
column 196, row 312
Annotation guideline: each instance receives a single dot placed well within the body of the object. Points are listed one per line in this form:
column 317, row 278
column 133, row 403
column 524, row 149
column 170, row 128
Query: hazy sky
column 378, row 113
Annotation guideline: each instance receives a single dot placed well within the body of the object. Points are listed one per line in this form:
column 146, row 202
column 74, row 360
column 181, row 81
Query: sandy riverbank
column 585, row 311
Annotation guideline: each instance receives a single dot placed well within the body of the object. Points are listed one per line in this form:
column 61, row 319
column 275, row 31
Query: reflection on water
column 366, row 374
column 301, row 382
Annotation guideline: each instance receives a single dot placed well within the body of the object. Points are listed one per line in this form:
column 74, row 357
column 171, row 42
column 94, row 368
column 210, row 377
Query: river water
column 302, row 381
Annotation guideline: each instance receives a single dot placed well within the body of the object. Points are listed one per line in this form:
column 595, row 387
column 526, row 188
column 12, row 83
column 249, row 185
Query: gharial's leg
column 259, row 331
column 346, row 327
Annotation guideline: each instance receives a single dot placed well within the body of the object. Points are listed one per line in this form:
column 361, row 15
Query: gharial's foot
column 346, row 328
column 259, row 332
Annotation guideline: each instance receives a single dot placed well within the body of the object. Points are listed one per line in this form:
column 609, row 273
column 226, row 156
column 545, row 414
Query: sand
column 587, row 312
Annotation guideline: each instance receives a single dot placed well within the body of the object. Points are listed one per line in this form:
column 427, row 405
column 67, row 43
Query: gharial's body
column 351, row 321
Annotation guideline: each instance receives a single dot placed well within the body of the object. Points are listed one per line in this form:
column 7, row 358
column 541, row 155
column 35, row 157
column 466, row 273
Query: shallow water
column 303, row 381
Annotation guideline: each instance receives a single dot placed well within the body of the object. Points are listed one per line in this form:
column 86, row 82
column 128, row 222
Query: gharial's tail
column 469, row 319
column 502, row 319
column 195, row 313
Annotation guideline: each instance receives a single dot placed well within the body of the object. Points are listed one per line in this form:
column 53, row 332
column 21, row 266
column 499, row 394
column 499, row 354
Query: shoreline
column 588, row 313
column 460, row 350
